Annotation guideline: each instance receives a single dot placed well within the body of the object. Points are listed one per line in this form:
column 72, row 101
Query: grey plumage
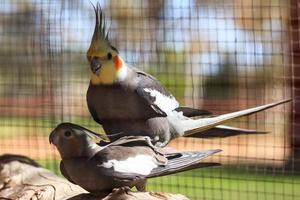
column 128, row 161
column 126, row 107
column 126, row 100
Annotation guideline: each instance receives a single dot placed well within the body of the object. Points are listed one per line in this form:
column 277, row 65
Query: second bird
column 127, row 101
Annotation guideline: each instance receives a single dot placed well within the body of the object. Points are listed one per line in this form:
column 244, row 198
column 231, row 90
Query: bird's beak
column 95, row 66
column 53, row 138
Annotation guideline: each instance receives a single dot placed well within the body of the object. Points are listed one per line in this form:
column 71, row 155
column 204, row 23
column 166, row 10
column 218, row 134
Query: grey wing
column 124, row 177
column 147, row 83
column 134, row 141
column 120, row 176
column 126, row 140
column 64, row 172
column 149, row 100
column 123, row 149
column 151, row 82
column 138, row 71
column 183, row 162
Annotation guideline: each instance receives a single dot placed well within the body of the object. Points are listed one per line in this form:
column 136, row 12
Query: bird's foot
column 161, row 144
column 141, row 185
column 124, row 189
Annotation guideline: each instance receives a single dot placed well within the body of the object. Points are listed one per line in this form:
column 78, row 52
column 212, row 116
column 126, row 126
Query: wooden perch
column 23, row 178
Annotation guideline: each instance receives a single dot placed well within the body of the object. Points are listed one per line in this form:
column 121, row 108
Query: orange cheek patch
column 118, row 62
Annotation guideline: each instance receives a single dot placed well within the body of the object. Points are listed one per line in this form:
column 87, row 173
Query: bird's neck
column 91, row 150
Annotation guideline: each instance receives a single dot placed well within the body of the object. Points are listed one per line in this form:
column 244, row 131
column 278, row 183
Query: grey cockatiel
column 127, row 162
column 126, row 100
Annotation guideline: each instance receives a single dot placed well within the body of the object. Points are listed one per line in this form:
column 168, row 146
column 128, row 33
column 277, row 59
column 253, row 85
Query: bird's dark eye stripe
column 109, row 56
column 67, row 133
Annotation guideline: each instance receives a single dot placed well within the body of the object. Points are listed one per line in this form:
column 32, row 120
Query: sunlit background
column 220, row 55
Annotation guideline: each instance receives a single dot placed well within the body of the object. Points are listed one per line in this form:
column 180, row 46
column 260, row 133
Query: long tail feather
column 195, row 126
column 222, row 131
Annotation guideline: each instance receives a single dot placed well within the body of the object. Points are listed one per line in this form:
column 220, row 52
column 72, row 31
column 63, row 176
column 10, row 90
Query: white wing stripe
column 165, row 103
column 141, row 164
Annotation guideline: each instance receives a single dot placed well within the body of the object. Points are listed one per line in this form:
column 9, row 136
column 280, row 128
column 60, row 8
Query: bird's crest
column 100, row 41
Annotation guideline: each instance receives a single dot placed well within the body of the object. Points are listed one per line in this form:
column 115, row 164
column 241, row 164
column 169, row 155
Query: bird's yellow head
column 106, row 65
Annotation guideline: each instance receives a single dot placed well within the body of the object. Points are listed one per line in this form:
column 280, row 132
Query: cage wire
column 220, row 55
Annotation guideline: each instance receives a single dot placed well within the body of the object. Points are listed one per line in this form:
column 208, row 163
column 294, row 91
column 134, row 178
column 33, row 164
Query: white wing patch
column 165, row 103
column 141, row 164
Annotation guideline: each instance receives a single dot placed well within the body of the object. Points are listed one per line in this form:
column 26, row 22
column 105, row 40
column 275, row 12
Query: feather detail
column 100, row 41
column 140, row 164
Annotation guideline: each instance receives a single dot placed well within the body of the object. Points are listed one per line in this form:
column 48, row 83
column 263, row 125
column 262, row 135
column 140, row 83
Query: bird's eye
column 109, row 56
column 67, row 133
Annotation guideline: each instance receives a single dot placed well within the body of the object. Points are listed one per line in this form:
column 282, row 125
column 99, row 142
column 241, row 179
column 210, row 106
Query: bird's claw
column 161, row 144
column 124, row 189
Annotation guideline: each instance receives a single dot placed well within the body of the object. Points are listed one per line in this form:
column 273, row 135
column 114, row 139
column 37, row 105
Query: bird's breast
column 88, row 175
column 116, row 103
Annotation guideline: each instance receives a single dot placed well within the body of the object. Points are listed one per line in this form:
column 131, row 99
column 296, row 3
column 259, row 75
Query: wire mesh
column 219, row 55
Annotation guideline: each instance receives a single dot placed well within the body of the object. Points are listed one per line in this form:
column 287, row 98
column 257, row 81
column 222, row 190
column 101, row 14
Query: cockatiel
column 127, row 162
column 127, row 101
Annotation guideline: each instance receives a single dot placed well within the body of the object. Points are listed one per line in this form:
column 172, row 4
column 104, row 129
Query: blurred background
column 220, row 55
